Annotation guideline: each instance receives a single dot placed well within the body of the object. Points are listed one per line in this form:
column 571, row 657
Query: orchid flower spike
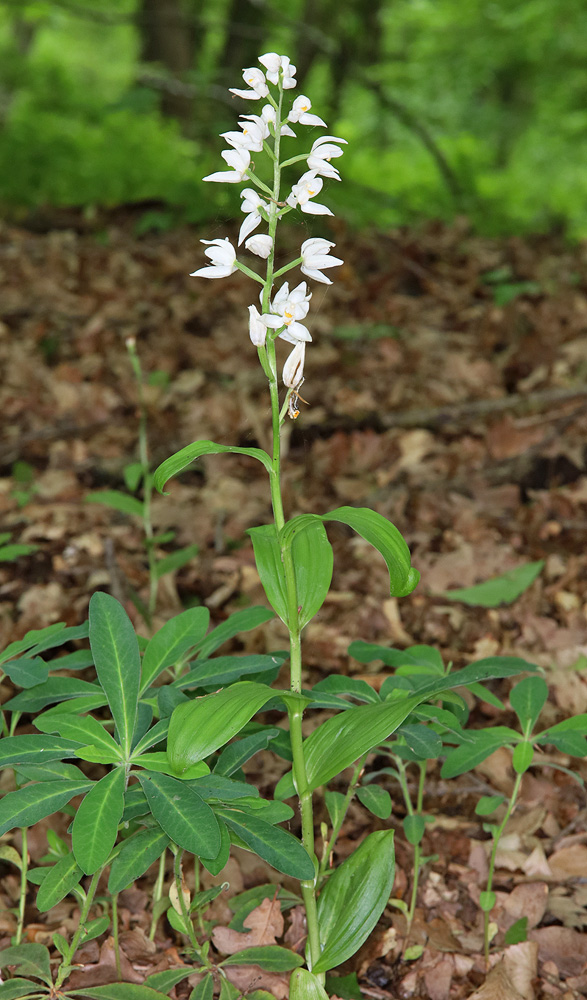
column 273, row 64
column 316, row 258
column 223, row 257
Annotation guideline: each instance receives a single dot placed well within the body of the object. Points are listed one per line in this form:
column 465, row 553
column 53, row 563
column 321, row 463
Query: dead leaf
column 104, row 971
column 527, row 900
column 295, row 934
column 564, row 946
column 265, row 924
column 520, row 962
column 497, row 986
column 253, row 977
column 438, row 977
column 569, row 862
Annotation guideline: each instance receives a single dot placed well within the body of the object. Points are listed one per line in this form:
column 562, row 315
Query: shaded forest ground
column 447, row 389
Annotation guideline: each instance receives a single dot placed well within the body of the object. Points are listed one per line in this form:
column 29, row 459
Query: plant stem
column 329, row 845
column 496, row 839
column 417, row 848
column 23, row 885
column 295, row 710
column 157, row 894
column 147, row 481
column 65, row 965
column 115, row 936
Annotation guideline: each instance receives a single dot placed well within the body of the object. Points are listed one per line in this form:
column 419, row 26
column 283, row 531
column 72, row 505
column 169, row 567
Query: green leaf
column 166, row 980
column 380, row 533
column 30, row 959
column 575, row 724
column 60, row 879
column 34, row 749
column 522, row 757
column 502, row 589
column 118, row 662
column 485, row 741
column 83, row 729
column 272, row 958
column 14, row 988
column 345, row 987
column 95, row 826
column 527, row 699
column 136, row 855
column 30, row 804
column 239, row 621
column 200, row 727
column 52, row 771
column 344, row 738
column 354, row 898
column 228, row 669
column 175, row 560
column 238, row 753
column 517, row 933
column 338, row 684
column 204, row 990
column 414, row 826
column 118, row 991
column 27, row 673
column 98, row 755
column 171, row 641
column 334, row 802
column 487, row 901
column 313, row 560
column 422, row 741
column 280, row 849
column 10, row 552
column 183, row 814
column 377, row 800
column 59, row 637
column 30, row 640
column 160, row 762
column 488, row 804
column 56, row 689
column 117, row 501
column 133, row 473
column 304, row 985
column 178, row 462
column 94, row 928
column 215, row 865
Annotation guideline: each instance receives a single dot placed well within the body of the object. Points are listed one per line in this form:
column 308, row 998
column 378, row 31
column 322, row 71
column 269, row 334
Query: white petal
column 275, row 322
column 311, row 208
column 312, row 272
column 248, row 95
column 311, row 120
column 298, row 332
column 260, row 245
column 293, row 369
column 249, row 225
column 213, row 271
column 224, row 177
column 328, row 138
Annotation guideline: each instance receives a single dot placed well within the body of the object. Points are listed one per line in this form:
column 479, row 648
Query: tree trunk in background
column 246, row 27
column 168, row 37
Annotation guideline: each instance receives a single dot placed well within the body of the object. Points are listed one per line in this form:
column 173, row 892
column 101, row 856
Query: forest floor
column 447, row 389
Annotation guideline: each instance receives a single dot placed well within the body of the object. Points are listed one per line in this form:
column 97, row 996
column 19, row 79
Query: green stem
column 115, row 936
column 417, row 848
column 496, row 839
column 295, row 710
column 329, row 845
column 147, row 481
column 65, row 965
column 23, row 885
column 157, row 894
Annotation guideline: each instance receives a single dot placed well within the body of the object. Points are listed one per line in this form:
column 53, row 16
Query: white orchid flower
column 316, row 257
column 323, row 150
column 308, row 186
column 223, row 257
column 256, row 81
column 261, row 245
column 273, row 63
column 257, row 329
column 268, row 115
column 299, row 110
column 286, row 309
column 250, row 138
column 239, row 160
column 251, row 204
column 293, row 369
column 259, row 121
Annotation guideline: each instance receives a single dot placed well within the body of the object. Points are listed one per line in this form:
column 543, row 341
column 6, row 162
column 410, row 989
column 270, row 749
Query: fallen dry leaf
column 498, row 986
column 252, row 977
column 265, row 925
column 564, row 946
column 569, row 862
column 526, row 900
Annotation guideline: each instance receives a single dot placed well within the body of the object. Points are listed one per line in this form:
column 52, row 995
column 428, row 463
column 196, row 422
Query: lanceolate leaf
column 271, row 843
column 35, row 749
column 118, row 662
column 85, row 729
column 61, row 879
column 136, row 855
column 95, row 826
column 502, row 589
column 117, row 500
column 527, row 700
column 30, row 640
column 183, row 814
column 239, row 621
column 198, row 728
column 180, row 461
column 227, row 669
column 172, row 640
column 272, row 958
column 354, row 898
column 377, row 530
column 118, row 991
column 30, row 959
column 270, row 566
column 27, row 673
column 12, row 989
column 55, row 689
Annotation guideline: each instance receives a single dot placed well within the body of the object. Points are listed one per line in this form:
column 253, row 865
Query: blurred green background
column 451, row 107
